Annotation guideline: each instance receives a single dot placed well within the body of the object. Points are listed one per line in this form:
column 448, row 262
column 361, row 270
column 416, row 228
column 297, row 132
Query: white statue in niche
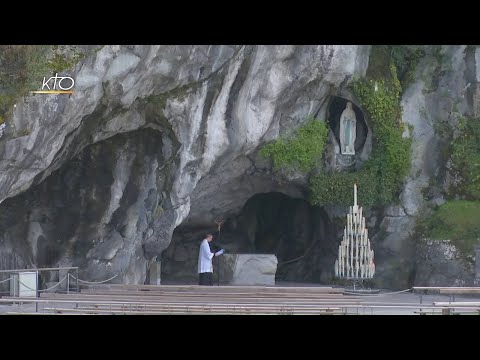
column 348, row 130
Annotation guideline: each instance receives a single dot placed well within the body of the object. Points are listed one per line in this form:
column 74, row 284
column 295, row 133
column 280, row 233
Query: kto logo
column 60, row 85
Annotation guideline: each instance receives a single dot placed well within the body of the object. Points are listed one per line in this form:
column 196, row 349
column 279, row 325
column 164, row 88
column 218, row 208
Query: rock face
column 95, row 211
column 101, row 178
column 248, row 269
column 443, row 91
column 441, row 264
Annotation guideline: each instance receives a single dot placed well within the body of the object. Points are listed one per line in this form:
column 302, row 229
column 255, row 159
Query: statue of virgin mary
column 348, row 130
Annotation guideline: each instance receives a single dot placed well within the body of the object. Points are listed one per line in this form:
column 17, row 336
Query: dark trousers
column 205, row 278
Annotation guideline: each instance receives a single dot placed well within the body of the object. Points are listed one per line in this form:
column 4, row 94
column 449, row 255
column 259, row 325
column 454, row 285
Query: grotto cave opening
column 300, row 235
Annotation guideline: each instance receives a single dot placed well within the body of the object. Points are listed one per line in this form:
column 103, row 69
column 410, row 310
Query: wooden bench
column 207, row 297
column 450, row 307
column 223, row 295
column 198, row 293
column 265, row 310
column 202, row 299
column 446, row 311
column 107, row 301
column 450, row 290
column 55, row 297
column 458, row 304
column 220, row 289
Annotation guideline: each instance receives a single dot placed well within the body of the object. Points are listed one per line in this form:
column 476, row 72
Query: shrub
column 465, row 156
column 302, row 151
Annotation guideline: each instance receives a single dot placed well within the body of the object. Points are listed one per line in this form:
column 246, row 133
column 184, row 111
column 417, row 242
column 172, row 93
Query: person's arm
column 206, row 251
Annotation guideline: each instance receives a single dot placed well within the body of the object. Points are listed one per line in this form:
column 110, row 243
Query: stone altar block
column 247, row 269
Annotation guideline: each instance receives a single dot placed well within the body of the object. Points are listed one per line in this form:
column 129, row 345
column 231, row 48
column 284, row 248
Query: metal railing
column 39, row 270
column 37, row 291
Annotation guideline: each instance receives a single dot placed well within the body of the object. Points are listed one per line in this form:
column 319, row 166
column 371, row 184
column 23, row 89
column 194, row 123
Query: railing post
column 37, row 294
column 68, row 282
column 78, row 289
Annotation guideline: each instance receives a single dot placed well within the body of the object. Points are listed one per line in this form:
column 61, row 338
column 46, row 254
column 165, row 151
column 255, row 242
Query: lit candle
column 355, row 195
column 351, row 251
column 357, row 244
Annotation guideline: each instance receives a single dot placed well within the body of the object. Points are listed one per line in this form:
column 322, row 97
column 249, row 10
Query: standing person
column 205, row 256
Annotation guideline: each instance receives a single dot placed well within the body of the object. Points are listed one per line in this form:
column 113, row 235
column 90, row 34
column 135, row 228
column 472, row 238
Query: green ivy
column 337, row 188
column 59, row 62
column 382, row 175
column 302, row 151
column 405, row 58
column 465, row 156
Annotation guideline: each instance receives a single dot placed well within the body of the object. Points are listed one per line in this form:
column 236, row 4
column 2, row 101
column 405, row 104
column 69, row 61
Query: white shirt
column 205, row 257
